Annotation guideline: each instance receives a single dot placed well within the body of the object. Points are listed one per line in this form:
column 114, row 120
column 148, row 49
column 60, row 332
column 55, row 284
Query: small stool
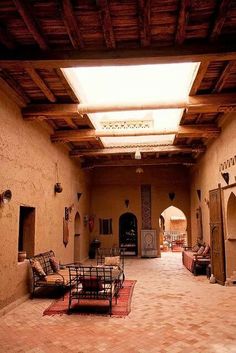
column 208, row 271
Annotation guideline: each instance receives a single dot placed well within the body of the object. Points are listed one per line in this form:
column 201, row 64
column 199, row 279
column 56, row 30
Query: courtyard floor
column 172, row 311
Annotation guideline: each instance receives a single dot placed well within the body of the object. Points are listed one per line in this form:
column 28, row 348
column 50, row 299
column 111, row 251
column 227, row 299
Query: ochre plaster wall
column 112, row 186
column 206, row 175
column 28, row 168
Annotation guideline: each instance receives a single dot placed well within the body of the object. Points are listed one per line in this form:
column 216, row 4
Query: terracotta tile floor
column 172, row 311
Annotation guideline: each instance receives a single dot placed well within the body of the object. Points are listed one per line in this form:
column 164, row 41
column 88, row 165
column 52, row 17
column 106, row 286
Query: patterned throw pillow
column 195, row 248
column 206, row 250
column 201, row 250
column 112, row 261
column 38, row 268
column 91, row 284
column 54, row 264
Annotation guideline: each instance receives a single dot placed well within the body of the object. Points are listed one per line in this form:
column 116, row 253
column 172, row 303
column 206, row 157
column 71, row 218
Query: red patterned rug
column 122, row 308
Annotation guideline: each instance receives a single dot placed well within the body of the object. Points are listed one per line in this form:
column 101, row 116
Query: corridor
column 172, row 311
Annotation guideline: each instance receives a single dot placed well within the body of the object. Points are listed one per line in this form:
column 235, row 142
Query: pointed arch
column 231, row 216
column 128, row 233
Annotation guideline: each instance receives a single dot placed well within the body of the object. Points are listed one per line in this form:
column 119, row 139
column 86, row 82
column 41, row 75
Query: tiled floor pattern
column 172, row 311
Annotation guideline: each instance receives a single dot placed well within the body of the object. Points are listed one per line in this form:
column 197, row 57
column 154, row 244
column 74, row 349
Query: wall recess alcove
column 231, row 217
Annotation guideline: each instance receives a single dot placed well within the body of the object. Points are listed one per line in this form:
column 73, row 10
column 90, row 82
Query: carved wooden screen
column 217, row 236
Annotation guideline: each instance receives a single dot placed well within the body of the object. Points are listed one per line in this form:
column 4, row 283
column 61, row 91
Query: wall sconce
column 137, row 154
column 225, row 177
column 171, row 196
column 58, row 188
column 127, row 203
column 6, row 196
column 86, row 219
column 139, row 170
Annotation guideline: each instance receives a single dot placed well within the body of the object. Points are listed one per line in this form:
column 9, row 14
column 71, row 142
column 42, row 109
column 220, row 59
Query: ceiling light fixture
column 137, row 154
column 139, row 170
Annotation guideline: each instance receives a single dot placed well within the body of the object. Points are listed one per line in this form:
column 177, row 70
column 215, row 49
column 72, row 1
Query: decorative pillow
column 201, row 250
column 38, row 268
column 112, row 261
column 206, row 250
column 195, row 248
column 54, row 264
column 91, row 284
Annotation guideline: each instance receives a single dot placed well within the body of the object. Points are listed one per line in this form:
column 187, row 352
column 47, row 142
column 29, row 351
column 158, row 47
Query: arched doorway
column 128, row 234
column 77, row 236
column 173, row 228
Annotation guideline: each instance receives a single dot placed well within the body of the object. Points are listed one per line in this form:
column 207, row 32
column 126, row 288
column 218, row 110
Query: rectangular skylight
column 129, row 85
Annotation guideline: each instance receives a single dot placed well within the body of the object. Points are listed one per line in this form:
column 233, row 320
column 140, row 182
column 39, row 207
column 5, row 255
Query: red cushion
column 91, row 284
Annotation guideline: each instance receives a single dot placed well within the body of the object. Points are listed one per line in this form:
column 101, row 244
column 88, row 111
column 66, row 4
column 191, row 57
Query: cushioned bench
column 195, row 260
column 92, row 283
column 47, row 272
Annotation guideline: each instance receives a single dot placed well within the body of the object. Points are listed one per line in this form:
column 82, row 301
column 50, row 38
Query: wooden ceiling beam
column 144, row 14
column 220, row 19
column 13, row 89
column 6, row 39
column 201, row 104
column 182, row 21
column 106, row 22
column 188, row 161
column 27, row 13
column 71, row 24
column 87, row 58
column 199, row 77
column 41, row 84
column 223, row 77
column 67, row 85
column 182, row 131
column 132, row 150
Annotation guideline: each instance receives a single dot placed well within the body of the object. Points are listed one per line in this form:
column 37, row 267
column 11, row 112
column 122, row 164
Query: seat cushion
column 112, row 261
column 91, row 284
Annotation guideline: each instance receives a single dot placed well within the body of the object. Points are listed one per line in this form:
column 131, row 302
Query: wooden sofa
column 194, row 261
column 52, row 276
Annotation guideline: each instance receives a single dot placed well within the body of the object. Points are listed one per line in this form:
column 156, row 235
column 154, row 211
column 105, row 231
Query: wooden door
column 217, row 236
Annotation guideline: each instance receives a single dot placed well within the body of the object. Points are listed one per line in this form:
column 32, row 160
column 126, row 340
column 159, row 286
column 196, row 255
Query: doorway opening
column 128, row 233
column 26, row 239
column 77, row 236
column 173, row 229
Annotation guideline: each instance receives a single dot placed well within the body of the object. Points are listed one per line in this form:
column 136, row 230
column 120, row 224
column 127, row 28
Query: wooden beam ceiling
column 27, row 13
column 182, row 21
column 220, row 18
column 63, row 136
column 41, row 84
column 65, row 58
column 131, row 150
column 223, row 77
column 71, row 24
column 199, row 77
column 6, row 39
column 105, row 17
column 138, row 162
column 201, row 104
column 13, row 89
column 144, row 14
